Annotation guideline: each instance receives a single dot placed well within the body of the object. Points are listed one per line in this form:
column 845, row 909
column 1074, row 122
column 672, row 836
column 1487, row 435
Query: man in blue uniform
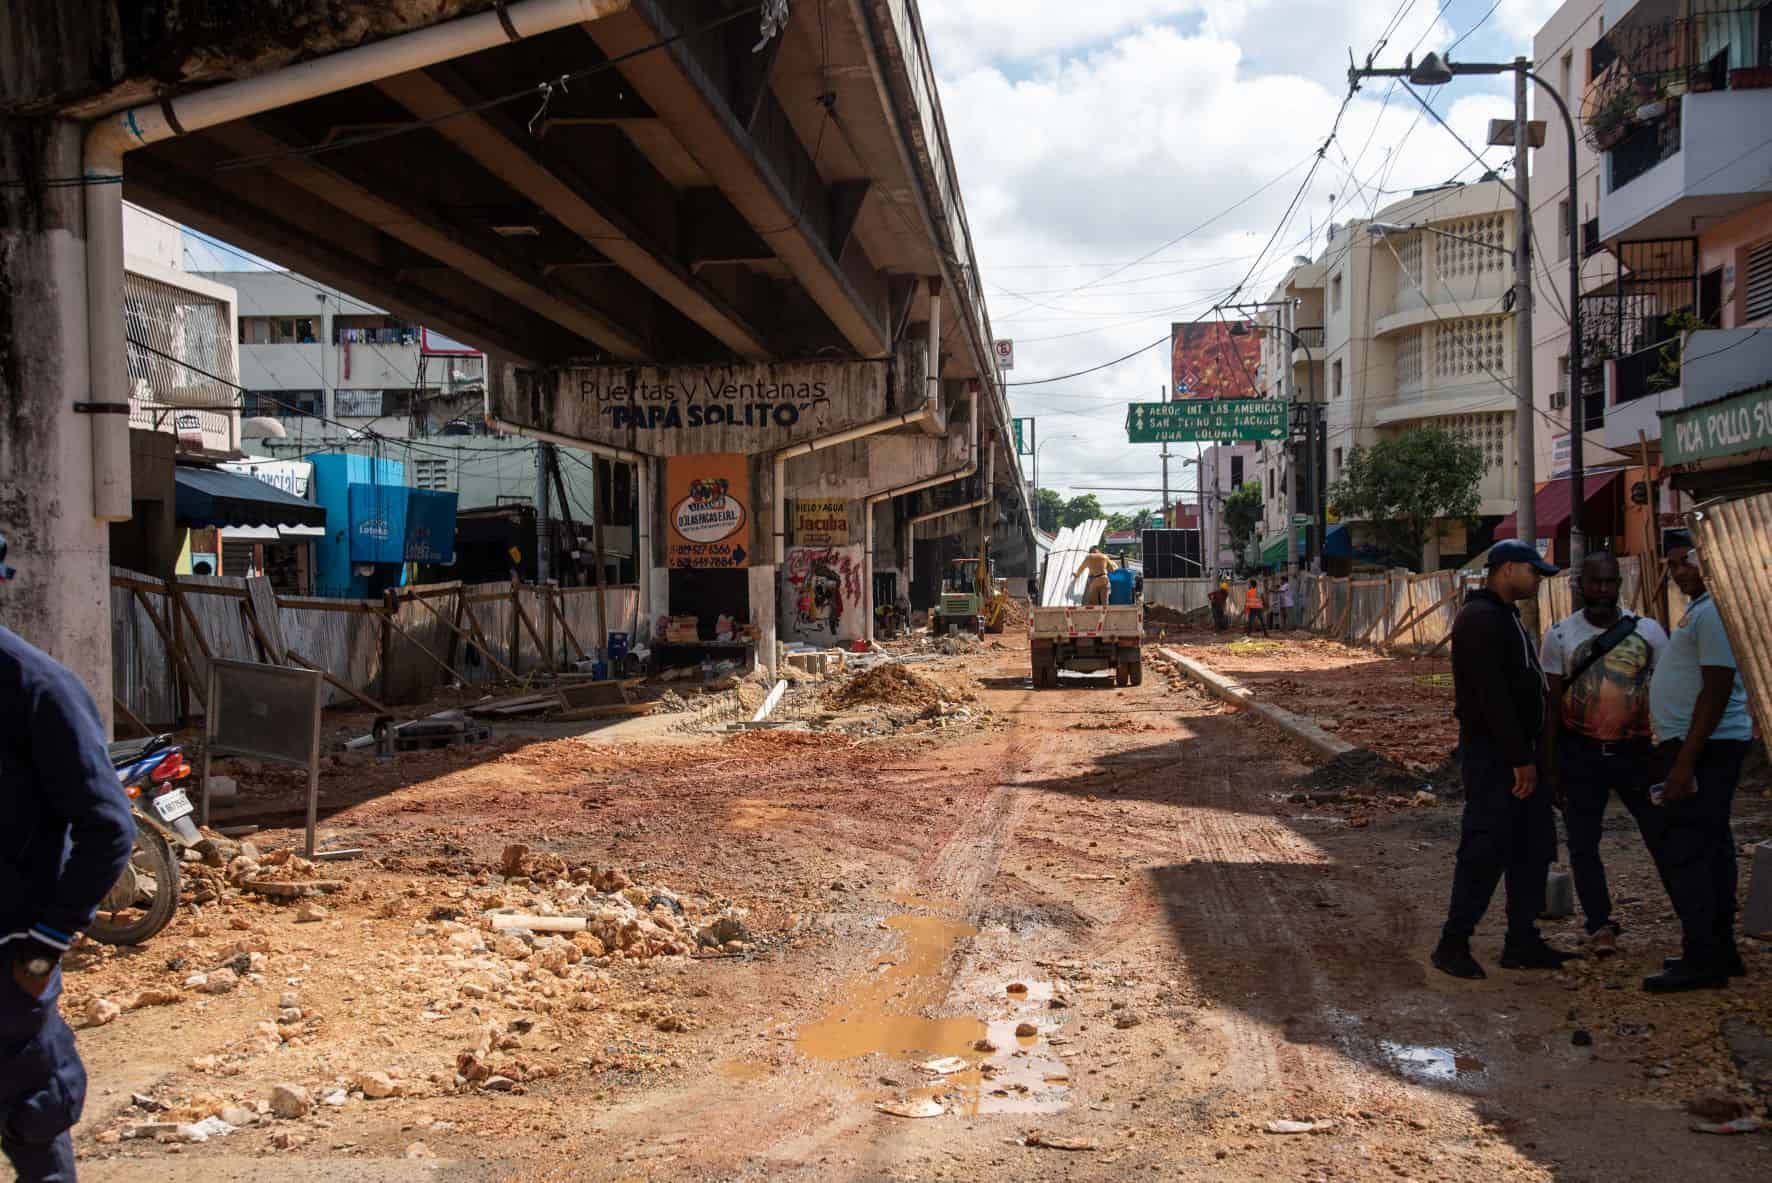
column 1508, row 832
column 65, row 835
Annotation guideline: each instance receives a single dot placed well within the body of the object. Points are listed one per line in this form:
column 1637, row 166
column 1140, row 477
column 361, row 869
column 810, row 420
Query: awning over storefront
column 1552, row 503
column 1336, row 545
column 210, row 497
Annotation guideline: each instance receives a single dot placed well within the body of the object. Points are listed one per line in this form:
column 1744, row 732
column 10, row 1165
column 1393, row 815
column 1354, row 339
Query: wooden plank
column 390, row 604
column 454, row 631
column 534, row 633
column 178, row 598
column 480, row 643
column 621, row 711
column 212, row 589
column 122, row 708
column 395, row 626
column 422, row 590
column 135, row 580
column 179, row 655
column 1416, row 618
column 361, row 697
column 262, row 601
column 559, row 608
column 321, row 604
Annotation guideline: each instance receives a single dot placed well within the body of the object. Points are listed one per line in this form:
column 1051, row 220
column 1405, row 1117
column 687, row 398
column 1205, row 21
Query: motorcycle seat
column 128, row 751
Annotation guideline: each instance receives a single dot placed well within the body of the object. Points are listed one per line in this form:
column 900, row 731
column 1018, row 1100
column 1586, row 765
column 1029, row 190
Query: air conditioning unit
column 1559, row 400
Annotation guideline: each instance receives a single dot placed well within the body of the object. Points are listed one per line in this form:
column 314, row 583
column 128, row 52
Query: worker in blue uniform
column 65, row 836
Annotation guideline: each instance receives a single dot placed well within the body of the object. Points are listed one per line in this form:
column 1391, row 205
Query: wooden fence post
column 390, row 601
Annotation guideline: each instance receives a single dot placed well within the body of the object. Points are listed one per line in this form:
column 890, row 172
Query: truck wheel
column 1122, row 675
column 1138, row 673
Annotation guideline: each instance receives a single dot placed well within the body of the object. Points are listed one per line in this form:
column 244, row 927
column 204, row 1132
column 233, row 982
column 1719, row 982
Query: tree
column 1146, row 519
column 1242, row 512
column 1083, row 508
column 1402, row 484
column 1048, row 509
column 1119, row 521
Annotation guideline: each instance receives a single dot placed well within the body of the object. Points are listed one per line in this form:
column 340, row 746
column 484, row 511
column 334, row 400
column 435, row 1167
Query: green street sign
column 1739, row 423
column 1191, row 420
column 1021, row 437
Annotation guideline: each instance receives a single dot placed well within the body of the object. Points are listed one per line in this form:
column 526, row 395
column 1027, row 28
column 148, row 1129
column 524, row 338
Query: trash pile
column 1016, row 614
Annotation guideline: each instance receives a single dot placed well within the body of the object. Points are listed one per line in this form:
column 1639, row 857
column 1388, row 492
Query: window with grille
column 1409, row 369
column 1409, row 257
column 430, row 474
column 1759, row 282
column 1480, row 247
column 1470, row 345
column 1486, row 432
column 1335, row 294
column 1335, row 380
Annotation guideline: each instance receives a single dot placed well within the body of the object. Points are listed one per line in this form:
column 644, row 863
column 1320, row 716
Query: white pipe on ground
column 110, row 137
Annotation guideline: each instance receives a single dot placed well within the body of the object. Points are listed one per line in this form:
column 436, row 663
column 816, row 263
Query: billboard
column 1207, row 361
column 708, row 510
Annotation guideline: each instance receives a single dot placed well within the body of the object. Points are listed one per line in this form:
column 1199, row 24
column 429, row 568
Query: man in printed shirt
column 1596, row 736
column 1698, row 709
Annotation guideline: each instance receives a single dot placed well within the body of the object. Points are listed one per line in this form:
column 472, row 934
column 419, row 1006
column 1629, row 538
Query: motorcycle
column 145, row 896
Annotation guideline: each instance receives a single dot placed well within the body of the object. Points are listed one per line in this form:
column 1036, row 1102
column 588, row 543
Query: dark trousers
column 42, row 1089
column 1590, row 772
column 1694, row 849
column 1253, row 617
column 1501, row 837
column 1218, row 620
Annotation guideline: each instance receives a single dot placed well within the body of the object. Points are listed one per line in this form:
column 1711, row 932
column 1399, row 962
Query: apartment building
column 1676, row 103
column 1416, row 328
column 327, row 365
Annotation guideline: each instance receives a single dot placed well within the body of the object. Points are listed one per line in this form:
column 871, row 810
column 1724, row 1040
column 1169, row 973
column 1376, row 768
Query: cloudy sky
column 1124, row 163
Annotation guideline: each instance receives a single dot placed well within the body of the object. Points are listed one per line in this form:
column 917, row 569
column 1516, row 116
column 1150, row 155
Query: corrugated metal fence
column 1414, row 613
column 394, row 651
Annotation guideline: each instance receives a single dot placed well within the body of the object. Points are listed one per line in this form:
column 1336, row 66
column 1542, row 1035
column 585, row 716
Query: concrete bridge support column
column 60, row 601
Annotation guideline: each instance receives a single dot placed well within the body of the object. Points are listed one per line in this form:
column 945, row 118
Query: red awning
column 1552, row 504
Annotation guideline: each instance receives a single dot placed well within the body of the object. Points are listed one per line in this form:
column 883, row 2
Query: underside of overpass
column 578, row 187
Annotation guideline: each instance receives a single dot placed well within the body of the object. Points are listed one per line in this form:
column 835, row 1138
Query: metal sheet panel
column 1735, row 541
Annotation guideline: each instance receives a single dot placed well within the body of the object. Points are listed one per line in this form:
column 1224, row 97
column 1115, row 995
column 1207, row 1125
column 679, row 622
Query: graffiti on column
column 824, row 591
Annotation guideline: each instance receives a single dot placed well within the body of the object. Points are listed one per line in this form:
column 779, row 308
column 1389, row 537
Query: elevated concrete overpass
column 676, row 236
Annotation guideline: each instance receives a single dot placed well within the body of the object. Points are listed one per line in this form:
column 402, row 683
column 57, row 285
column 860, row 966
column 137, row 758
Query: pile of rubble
column 896, row 685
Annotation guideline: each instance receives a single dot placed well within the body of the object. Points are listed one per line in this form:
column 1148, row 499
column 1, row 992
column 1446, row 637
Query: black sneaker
column 1733, row 966
column 1681, row 979
column 1457, row 961
column 1539, row 956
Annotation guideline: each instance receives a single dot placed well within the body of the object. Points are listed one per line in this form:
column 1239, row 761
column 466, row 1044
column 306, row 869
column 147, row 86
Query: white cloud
column 1077, row 158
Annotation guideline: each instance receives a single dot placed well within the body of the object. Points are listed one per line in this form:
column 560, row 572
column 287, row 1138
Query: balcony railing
column 1310, row 337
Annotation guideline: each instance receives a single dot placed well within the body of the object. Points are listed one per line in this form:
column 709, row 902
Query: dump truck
column 1087, row 640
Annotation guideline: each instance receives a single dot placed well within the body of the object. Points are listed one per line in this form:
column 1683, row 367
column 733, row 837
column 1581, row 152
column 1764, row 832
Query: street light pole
column 1434, row 71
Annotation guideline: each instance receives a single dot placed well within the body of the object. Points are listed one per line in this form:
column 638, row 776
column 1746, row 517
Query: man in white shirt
column 1286, row 621
column 1598, row 664
column 1698, row 708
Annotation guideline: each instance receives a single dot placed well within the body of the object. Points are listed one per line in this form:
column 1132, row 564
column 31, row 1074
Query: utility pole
column 1525, row 434
column 1289, row 388
column 1165, row 486
column 543, row 453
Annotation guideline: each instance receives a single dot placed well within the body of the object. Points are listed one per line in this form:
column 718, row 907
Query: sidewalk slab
column 1234, row 692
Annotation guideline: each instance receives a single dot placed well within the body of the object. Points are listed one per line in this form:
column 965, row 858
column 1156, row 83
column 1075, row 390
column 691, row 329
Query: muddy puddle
column 967, row 1064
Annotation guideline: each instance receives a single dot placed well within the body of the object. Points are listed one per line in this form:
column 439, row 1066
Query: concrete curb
column 1234, row 692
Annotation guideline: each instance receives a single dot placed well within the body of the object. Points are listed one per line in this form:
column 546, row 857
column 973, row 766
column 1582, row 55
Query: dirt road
column 1087, row 928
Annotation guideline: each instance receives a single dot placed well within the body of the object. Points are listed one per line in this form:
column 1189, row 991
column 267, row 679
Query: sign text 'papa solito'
column 704, row 401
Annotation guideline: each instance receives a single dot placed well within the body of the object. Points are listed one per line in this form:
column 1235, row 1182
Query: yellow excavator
column 971, row 598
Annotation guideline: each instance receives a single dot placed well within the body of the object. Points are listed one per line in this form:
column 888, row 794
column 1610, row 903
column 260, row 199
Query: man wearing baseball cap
column 65, row 835
column 1508, row 831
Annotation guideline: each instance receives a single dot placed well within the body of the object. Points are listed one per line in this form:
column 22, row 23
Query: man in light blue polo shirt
column 1698, row 710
